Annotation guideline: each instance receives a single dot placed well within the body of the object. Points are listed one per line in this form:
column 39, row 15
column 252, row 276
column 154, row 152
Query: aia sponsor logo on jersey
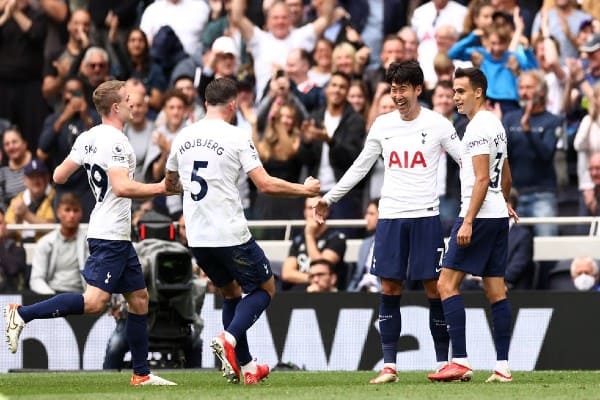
column 407, row 159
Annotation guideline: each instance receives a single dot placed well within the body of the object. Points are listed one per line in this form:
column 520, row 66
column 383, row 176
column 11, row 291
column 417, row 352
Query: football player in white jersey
column 479, row 239
column 113, row 266
column 205, row 160
column 410, row 139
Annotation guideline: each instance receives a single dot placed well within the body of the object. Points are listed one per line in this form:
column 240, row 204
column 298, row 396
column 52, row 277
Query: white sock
column 502, row 367
column 229, row 337
column 390, row 365
column 250, row 367
column 462, row 361
column 440, row 365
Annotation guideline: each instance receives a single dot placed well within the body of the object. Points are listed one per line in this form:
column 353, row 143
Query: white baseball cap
column 226, row 45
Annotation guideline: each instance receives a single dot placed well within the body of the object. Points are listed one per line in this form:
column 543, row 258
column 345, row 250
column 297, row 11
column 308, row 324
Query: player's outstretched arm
column 278, row 187
column 123, row 186
column 64, row 171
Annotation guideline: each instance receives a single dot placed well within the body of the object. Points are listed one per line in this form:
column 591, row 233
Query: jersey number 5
column 201, row 181
column 98, row 181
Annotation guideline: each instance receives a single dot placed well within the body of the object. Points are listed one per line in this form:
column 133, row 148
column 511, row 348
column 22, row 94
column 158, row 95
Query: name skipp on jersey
column 199, row 142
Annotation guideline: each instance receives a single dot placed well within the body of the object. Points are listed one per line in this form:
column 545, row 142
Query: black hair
column 344, row 75
column 476, row 78
column 405, row 72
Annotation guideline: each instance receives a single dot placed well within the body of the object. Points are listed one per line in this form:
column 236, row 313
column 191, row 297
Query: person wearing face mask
column 584, row 272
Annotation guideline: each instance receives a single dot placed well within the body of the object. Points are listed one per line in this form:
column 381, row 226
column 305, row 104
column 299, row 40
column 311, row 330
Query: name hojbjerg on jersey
column 199, row 142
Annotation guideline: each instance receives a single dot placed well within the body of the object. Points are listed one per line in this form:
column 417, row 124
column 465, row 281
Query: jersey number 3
column 197, row 196
column 98, row 181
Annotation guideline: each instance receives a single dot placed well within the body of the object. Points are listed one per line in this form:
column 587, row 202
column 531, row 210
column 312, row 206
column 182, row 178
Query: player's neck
column 114, row 122
column 412, row 114
column 475, row 110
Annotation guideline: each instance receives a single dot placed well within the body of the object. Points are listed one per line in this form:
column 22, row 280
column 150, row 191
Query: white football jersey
column 97, row 150
column 411, row 152
column 209, row 157
column 484, row 135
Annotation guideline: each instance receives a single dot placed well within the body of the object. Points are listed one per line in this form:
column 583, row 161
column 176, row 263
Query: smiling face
column 337, row 90
column 356, row 97
column 465, row 97
column 405, row 97
column 14, row 145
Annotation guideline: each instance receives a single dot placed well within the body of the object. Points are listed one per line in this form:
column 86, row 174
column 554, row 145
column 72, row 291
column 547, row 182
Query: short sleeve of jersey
column 248, row 155
column 116, row 153
column 478, row 141
column 172, row 162
column 78, row 150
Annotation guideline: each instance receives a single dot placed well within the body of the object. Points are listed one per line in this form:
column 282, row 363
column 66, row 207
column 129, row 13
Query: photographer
column 61, row 128
column 176, row 296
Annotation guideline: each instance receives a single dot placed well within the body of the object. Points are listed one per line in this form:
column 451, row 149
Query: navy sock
column 390, row 324
column 60, row 305
column 136, row 330
column 454, row 312
column 439, row 330
column 242, row 350
column 502, row 319
column 247, row 312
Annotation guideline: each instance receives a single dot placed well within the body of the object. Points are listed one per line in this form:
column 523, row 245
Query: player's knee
column 94, row 305
column 444, row 287
column 138, row 302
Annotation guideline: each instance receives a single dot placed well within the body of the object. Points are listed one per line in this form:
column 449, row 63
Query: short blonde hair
column 107, row 94
column 343, row 48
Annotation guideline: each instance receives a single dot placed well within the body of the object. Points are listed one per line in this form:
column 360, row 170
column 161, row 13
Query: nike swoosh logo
column 438, row 269
column 389, row 137
column 11, row 323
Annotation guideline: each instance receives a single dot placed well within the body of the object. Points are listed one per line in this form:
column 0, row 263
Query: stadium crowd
column 311, row 77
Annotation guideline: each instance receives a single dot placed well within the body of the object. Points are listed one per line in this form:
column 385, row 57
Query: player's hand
column 320, row 211
column 512, row 213
column 463, row 237
column 313, row 186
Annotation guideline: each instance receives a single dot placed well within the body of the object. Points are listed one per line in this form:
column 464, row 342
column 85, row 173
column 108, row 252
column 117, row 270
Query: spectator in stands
column 222, row 26
column 392, row 50
column 594, row 167
column 135, row 62
column 13, row 267
column 427, row 18
column 362, row 280
column 278, row 150
column 220, row 62
column 112, row 13
column 34, row 204
column 331, row 140
column 271, row 47
column 548, row 56
column 411, row 43
column 22, row 36
column 498, row 62
column 57, row 68
column 478, row 17
column 322, row 277
column 345, row 58
column 444, row 37
column 187, row 18
column 564, row 20
column 358, row 98
column 308, row 92
column 93, row 69
column 139, row 131
column 60, row 254
column 587, row 142
column 585, row 275
column 195, row 109
column 18, row 156
column 61, row 128
column 317, row 242
column 320, row 72
column 57, row 13
column 532, row 134
column 374, row 20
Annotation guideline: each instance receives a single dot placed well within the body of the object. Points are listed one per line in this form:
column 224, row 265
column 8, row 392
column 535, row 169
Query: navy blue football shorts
column 486, row 254
column 408, row 248
column 113, row 266
column 245, row 263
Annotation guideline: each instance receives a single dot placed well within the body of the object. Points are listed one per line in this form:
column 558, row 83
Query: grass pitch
column 298, row 385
